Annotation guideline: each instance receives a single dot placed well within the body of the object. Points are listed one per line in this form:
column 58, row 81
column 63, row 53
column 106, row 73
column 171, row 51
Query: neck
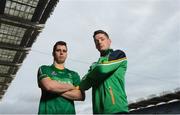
column 59, row 66
column 105, row 52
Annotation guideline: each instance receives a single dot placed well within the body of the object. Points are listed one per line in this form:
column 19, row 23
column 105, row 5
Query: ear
column 109, row 41
column 53, row 54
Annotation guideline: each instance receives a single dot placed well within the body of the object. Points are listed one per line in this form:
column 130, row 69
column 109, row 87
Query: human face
column 60, row 54
column 102, row 42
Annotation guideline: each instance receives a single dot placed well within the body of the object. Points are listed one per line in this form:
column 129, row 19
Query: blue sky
column 147, row 30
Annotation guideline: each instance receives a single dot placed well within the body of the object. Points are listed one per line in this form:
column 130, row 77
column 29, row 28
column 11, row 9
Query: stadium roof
column 21, row 21
column 156, row 100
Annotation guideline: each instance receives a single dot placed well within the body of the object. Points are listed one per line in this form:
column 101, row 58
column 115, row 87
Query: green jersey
column 106, row 77
column 52, row 103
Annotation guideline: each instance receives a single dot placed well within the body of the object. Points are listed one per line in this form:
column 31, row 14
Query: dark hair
column 100, row 32
column 59, row 43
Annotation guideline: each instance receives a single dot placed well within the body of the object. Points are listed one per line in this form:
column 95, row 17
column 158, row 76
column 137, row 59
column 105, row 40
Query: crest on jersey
column 54, row 73
column 70, row 75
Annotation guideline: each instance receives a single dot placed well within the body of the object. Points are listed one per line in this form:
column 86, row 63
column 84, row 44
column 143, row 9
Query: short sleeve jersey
column 52, row 103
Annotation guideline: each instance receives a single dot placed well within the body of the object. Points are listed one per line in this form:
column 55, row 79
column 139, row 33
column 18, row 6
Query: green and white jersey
column 52, row 103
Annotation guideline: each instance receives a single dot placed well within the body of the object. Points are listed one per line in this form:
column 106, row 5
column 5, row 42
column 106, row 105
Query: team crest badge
column 70, row 75
column 53, row 73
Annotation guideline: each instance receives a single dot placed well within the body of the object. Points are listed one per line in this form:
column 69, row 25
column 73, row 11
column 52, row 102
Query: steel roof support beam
column 39, row 10
column 19, row 22
column 2, row 6
column 49, row 8
column 14, row 47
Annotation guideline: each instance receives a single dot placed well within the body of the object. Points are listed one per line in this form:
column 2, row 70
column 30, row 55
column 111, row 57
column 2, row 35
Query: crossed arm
column 100, row 72
column 65, row 90
column 74, row 94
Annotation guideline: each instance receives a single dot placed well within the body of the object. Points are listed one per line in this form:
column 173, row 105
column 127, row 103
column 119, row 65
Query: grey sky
column 147, row 30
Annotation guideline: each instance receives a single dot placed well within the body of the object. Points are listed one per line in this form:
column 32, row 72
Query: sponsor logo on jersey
column 69, row 75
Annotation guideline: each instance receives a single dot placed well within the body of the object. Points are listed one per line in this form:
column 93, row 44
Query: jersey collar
column 106, row 52
column 56, row 69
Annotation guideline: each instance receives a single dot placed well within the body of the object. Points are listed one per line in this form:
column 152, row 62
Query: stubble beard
column 59, row 61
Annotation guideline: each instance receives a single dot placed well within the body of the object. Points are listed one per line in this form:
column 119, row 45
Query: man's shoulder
column 72, row 71
column 117, row 54
column 45, row 66
column 44, row 71
column 118, row 51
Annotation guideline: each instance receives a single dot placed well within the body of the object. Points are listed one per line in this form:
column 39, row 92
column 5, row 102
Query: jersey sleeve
column 86, row 81
column 76, row 79
column 115, row 60
column 42, row 73
column 104, row 69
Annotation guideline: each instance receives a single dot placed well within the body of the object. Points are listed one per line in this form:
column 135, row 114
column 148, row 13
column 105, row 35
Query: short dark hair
column 100, row 32
column 59, row 43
